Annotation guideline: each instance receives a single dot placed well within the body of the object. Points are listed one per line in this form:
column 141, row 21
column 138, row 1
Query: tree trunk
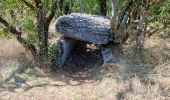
column 43, row 23
column 67, row 9
column 113, row 9
column 141, row 32
column 42, row 28
column 103, row 9
column 42, row 34
column 43, row 40
column 64, row 8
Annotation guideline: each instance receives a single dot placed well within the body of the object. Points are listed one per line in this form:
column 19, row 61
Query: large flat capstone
column 88, row 28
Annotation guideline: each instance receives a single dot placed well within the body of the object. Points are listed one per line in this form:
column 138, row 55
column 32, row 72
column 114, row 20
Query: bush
column 52, row 52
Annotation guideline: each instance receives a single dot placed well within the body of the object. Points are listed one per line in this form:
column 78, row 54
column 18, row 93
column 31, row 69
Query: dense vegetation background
column 32, row 30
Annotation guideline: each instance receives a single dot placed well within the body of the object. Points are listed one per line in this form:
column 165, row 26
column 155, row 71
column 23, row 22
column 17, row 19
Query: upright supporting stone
column 65, row 47
column 108, row 55
column 88, row 28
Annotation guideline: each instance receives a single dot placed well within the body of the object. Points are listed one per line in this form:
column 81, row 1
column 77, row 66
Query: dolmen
column 83, row 27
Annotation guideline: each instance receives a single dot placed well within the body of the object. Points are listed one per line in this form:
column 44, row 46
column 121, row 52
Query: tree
column 64, row 6
column 42, row 11
column 103, row 9
column 43, row 22
column 131, row 10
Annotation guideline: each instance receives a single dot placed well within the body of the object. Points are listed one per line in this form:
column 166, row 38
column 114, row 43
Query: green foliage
column 160, row 15
column 162, row 9
column 4, row 33
column 32, row 39
column 155, row 25
column 17, row 14
column 29, row 25
column 91, row 6
column 52, row 51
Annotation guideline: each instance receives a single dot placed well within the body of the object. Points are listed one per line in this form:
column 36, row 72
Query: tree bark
column 67, row 9
column 43, row 23
column 118, row 26
column 42, row 30
column 113, row 4
column 141, row 32
column 103, row 10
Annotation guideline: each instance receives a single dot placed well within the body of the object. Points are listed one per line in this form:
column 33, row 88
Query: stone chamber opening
column 83, row 57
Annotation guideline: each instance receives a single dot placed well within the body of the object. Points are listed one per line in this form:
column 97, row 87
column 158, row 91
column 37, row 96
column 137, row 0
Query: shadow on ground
column 126, row 79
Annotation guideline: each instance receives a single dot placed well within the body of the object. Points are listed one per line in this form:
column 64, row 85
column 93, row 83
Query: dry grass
column 145, row 78
column 10, row 54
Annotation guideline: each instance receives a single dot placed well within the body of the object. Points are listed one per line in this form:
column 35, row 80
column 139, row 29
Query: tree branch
column 113, row 8
column 53, row 11
column 17, row 34
column 28, row 4
column 39, row 11
column 11, row 28
column 37, row 3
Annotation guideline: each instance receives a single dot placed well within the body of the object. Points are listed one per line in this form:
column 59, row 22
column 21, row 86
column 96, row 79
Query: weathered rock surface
column 88, row 28
column 65, row 47
column 109, row 54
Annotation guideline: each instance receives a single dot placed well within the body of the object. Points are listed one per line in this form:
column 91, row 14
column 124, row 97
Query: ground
column 84, row 77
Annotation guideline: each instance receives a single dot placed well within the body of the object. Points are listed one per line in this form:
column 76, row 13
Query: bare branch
column 113, row 8
column 53, row 11
column 28, row 4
